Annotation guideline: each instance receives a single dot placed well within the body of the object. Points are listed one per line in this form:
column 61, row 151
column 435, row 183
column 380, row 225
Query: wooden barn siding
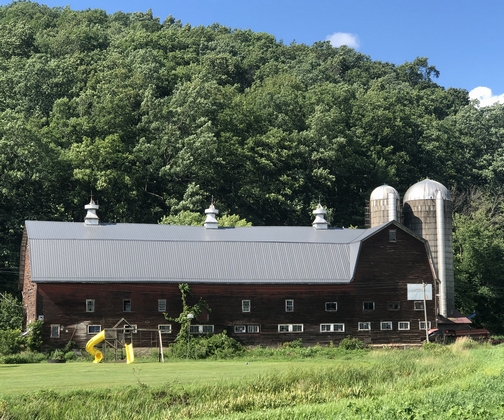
column 384, row 269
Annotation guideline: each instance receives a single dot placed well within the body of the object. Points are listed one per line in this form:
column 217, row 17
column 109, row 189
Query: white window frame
column 246, row 305
column 290, row 328
column 124, row 305
column 335, row 327
column 90, row 305
column 246, row 329
column 133, row 328
column 161, row 305
column 386, row 326
column 328, row 304
column 364, row 326
column 368, row 303
column 289, row 305
column 201, row 329
column 421, row 325
column 93, row 327
column 392, row 233
column 403, row 326
column 55, row 331
column 418, row 305
column 165, row 328
column 253, row 329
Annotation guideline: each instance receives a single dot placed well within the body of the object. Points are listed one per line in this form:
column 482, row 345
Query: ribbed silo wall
column 379, row 211
column 420, row 217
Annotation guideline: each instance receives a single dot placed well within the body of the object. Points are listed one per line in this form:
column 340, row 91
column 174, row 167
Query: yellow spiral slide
column 98, row 355
column 90, row 346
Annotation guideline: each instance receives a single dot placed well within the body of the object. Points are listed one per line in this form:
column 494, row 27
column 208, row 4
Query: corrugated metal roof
column 151, row 232
column 74, row 252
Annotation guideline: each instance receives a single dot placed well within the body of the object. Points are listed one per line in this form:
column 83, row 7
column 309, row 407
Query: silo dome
column 384, row 205
column 382, row 192
column 426, row 190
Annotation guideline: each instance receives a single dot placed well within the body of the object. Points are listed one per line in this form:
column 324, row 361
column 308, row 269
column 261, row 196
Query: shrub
column 57, row 355
column 23, row 358
column 70, row 355
column 11, row 341
column 218, row 346
column 34, row 338
column 69, row 346
column 464, row 343
column 295, row 344
column 11, row 312
column 350, row 343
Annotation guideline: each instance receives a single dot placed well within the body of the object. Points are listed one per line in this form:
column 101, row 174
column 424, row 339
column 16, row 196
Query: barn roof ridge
column 74, row 252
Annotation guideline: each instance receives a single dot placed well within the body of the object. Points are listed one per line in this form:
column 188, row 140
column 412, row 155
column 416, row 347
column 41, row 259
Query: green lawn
column 463, row 381
column 16, row 379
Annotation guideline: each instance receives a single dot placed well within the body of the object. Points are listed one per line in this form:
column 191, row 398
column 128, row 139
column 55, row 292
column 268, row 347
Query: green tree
column 11, row 312
column 188, row 313
column 478, row 243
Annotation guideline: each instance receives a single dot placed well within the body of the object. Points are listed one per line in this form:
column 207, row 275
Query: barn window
column 90, row 305
column 93, row 329
column 55, row 330
column 392, row 235
column 245, row 305
column 331, row 306
column 393, row 306
column 130, row 329
column 418, row 305
column 403, row 325
column 289, row 328
column 253, row 329
column 240, row 328
column 289, row 305
column 127, row 305
column 164, row 328
column 368, row 306
column 332, row 327
column 161, row 305
column 364, row 326
column 421, row 325
column 386, row 325
column 201, row 329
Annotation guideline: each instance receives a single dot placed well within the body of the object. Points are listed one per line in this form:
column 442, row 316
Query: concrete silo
column 384, row 205
column 427, row 211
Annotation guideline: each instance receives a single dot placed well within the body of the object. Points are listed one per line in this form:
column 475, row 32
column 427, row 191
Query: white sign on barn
column 416, row 291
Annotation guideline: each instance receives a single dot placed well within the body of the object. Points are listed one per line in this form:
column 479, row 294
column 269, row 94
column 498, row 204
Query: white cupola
column 211, row 220
column 91, row 216
column 320, row 222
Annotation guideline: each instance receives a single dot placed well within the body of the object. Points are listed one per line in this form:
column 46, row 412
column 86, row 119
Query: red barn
column 264, row 285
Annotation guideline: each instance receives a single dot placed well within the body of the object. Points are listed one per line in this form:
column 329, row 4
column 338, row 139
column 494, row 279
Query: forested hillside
column 155, row 118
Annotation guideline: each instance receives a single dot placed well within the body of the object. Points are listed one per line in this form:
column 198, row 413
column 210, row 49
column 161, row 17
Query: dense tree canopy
column 156, row 117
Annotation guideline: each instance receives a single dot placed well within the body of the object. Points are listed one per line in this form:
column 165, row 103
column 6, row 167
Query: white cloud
column 485, row 96
column 338, row 39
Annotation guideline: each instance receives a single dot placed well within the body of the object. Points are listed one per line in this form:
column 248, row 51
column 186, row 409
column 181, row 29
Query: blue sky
column 464, row 39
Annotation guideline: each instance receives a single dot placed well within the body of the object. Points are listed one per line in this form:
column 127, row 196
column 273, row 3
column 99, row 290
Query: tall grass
column 462, row 381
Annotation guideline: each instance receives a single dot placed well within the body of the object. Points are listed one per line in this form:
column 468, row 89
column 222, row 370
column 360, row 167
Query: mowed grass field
column 461, row 381
column 19, row 379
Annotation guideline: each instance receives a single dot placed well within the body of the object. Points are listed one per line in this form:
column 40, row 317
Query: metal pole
column 425, row 312
column 188, row 337
column 189, row 318
column 161, row 346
